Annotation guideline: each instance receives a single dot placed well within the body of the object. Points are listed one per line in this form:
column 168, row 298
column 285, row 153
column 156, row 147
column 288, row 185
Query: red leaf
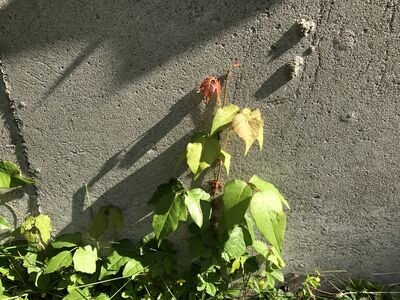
column 208, row 87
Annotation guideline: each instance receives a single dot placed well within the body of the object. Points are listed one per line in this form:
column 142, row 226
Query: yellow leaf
column 248, row 126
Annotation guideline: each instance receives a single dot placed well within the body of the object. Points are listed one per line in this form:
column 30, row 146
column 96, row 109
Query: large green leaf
column 114, row 263
column 85, row 259
column 266, row 210
column 10, row 176
column 223, row 117
column 201, row 153
column 235, row 246
column 192, row 202
column 264, row 185
column 132, row 268
column 62, row 259
column 236, row 199
column 4, row 225
column 170, row 208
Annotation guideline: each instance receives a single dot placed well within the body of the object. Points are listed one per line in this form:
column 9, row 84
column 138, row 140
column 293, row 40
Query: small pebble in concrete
column 306, row 26
column 295, row 66
column 348, row 117
column 37, row 170
column 21, row 104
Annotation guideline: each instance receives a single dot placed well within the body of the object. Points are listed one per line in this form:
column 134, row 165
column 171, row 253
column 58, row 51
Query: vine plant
column 235, row 239
column 222, row 238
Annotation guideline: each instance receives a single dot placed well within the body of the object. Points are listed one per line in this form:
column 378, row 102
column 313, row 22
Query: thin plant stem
column 217, row 175
column 228, row 73
column 116, row 293
column 169, row 290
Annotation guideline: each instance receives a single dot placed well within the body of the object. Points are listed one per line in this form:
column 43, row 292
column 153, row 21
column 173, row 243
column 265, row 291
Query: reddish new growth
column 208, row 87
column 216, row 185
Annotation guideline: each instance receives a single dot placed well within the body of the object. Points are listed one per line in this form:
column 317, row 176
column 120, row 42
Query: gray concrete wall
column 103, row 92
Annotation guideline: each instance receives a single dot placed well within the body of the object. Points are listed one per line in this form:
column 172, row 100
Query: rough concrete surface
column 108, row 93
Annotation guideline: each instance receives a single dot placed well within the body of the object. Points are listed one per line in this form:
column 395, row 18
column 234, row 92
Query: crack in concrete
column 323, row 10
column 385, row 64
column 393, row 6
column 297, row 92
column 316, row 72
column 14, row 123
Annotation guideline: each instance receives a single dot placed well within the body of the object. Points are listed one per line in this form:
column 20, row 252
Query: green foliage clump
column 236, row 233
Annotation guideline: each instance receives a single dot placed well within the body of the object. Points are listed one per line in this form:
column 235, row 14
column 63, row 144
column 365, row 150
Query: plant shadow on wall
column 130, row 192
column 143, row 35
column 228, row 260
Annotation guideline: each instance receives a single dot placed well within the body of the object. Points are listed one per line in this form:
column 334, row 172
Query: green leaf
column 211, row 289
column 276, row 258
column 201, row 153
column 237, row 264
column 62, row 259
column 28, row 229
column 207, row 286
column 9, row 274
column 261, row 248
column 67, row 240
column 235, row 245
column 264, row 185
column 132, row 268
column 248, row 126
column 10, row 176
column 85, row 259
column 226, row 157
column 77, row 294
column 236, row 199
column 4, row 225
column 250, row 226
column 42, row 281
column 170, row 208
column 192, row 202
column 43, row 224
column 37, row 228
column 266, row 210
column 114, row 262
column 277, row 274
column 1, row 289
column 193, row 156
column 223, row 117
column 29, row 263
